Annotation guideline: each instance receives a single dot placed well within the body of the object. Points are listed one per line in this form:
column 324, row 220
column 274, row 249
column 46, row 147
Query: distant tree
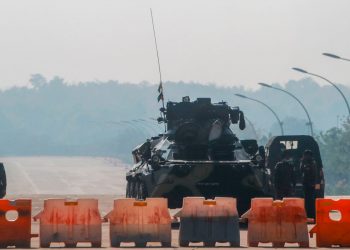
column 57, row 81
column 37, row 80
column 335, row 148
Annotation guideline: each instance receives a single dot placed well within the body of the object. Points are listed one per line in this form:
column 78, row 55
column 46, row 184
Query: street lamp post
column 268, row 107
column 252, row 126
column 323, row 78
column 293, row 96
column 336, row 57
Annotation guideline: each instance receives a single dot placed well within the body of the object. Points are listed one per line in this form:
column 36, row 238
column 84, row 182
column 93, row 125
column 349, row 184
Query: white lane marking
column 27, row 177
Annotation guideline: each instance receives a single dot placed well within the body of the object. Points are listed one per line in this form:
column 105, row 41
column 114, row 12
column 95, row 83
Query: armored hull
column 199, row 156
column 242, row 180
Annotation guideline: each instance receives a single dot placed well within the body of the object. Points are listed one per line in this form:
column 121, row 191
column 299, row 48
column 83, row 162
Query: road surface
column 40, row 178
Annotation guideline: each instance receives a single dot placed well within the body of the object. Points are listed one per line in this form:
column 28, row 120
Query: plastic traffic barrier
column 332, row 223
column 15, row 230
column 278, row 222
column 70, row 222
column 140, row 222
column 209, row 221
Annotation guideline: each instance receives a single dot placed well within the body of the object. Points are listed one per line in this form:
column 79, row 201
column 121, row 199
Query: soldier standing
column 284, row 178
column 311, row 181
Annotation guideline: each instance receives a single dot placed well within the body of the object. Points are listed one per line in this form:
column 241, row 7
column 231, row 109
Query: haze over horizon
column 229, row 43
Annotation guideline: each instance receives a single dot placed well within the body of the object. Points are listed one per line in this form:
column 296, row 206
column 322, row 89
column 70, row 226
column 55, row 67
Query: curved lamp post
column 252, row 126
column 323, row 78
column 268, row 107
column 293, row 96
column 336, row 57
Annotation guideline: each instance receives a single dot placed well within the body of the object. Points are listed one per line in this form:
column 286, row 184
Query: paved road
column 64, row 175
column 40, row 178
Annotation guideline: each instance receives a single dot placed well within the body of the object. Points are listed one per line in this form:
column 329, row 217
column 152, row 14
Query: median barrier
column 70, row 222
column 15, row 223
column 277, row 222
column 140, row 221
column 332, row 223
column 209, row 221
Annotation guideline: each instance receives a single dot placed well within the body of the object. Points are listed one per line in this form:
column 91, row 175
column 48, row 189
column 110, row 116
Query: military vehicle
column 199, row 155
column 295, row 145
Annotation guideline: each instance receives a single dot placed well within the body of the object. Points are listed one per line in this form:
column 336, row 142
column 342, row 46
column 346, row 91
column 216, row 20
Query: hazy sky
column 235, row 42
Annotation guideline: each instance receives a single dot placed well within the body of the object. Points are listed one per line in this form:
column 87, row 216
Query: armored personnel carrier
column 199, row 155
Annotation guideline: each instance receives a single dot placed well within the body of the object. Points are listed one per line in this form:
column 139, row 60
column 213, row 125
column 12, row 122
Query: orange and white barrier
column 70, row 222
column 15, row 231
column 209, row 221
column 140, row 222
column 332, row 223
column 278, row 222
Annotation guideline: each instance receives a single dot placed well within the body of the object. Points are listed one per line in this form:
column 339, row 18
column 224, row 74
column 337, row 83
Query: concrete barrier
column 70, row 222
column 278, row 222
column 209, row 221
column 140, row 222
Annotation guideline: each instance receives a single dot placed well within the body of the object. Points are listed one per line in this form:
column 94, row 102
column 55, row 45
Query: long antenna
column 160, row 88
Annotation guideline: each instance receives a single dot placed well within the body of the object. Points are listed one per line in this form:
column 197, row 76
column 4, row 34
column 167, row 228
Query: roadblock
column 70, row 222
column 278, row 222
column 15, row 230
column 140, row 222
column 209, row 221
column 332, row 223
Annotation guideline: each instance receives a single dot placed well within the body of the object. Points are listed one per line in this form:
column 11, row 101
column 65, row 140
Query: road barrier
column 332, row 223
column 15, row 223
column 209, row 221
column 278, row 222
column 70, row 222
column 140, row 222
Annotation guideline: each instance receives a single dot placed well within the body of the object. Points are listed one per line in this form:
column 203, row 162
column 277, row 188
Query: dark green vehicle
column 199, row 155
column 295, row 145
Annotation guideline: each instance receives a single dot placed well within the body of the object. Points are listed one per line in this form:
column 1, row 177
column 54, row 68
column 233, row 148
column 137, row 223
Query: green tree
column 335, row 151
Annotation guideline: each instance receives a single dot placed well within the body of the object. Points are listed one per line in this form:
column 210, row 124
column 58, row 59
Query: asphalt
column 40, row 178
